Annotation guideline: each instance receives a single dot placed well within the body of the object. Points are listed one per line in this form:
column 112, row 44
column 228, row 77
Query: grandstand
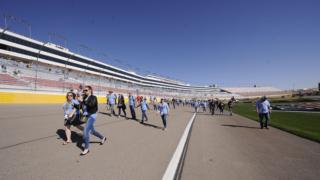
column 31, row 65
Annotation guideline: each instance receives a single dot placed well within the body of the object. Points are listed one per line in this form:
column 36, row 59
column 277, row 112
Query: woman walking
column 71, row 109
column 90, row 108
column 121, row 106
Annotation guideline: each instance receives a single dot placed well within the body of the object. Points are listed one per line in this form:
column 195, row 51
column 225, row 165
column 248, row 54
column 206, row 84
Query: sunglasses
column 70, row 95
column 85, row 90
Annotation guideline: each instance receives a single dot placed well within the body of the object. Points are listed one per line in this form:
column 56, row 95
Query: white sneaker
column 103, row 141
column 84, row 152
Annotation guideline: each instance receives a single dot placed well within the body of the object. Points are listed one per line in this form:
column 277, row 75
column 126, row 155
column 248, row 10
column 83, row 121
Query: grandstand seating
column 10, row 80
column 47, row 77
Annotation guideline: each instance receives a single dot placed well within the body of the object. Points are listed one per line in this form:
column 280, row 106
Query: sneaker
column 103, row 141
column 84, row 152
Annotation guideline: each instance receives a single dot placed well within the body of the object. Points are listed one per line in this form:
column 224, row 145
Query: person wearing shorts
column 71, row 109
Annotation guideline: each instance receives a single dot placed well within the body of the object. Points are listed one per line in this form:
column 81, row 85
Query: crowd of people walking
column 81, row 107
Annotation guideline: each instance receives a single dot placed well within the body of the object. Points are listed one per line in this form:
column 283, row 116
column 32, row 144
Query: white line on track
column 172, row 168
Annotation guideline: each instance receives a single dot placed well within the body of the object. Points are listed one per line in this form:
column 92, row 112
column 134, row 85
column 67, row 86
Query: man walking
column 263, row 109
column 111, row 101
column 212, row 106
column 132, row 104
column 230, row 104
column 144, row 107
column 164, row 111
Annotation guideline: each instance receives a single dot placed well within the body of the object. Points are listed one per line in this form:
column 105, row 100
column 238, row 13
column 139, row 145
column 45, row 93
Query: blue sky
column 225, row 42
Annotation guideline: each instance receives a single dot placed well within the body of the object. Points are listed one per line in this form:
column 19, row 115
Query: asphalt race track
column 220, row 147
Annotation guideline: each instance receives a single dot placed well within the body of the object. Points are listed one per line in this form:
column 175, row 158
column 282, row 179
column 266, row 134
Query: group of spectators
column 118, row 101
column 214, row 105
column 81, row 108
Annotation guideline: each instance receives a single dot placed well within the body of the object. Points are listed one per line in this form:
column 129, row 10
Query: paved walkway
column 220, row 147
column 31, row 147
column 225, row 147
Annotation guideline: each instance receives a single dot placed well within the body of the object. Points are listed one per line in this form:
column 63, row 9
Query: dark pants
column 155, row 107
column 164, row 120
column 123, row 110
column 212, row 110
column 230, row 110
column 133, row 113
column 144, row 116
column 267, row 117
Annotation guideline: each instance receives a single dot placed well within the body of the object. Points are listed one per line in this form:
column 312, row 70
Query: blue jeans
column 266, row 116
column 144, row 115
column 164, row 120
column 133, row 113
column 90, row 129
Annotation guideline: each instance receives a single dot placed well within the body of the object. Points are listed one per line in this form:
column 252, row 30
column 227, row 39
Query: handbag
column 83, row 118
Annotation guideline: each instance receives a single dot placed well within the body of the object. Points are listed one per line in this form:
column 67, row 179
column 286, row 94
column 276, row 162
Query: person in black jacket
column 121, row 105
column 90, row 108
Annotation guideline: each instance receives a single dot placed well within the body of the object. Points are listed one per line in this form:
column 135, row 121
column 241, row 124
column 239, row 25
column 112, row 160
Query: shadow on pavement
column 151, row 125
column 75, row 138
column 104, row 113
column 231, row 125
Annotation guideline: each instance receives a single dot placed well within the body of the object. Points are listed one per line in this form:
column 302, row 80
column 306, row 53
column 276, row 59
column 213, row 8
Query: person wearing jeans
column 111, row 97
column 90, row 108
column 267, row 118
column 164, row 111
column 263, row 108
column 144, row 107
column 132, row 105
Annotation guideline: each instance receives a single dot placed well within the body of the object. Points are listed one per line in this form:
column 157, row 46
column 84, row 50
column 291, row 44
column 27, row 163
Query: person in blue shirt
column 204, row 106
column 164, row 111
column 144, row 107
column 71, row 110
column 196, row 106
column 111, row 100
column 263, row 108
column 132, row 104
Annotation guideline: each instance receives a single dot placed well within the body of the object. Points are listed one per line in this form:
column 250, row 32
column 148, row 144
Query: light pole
column 58, row 36
column 82, row 46
column 36, row 79
column 3, row 31
column 18, row 20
